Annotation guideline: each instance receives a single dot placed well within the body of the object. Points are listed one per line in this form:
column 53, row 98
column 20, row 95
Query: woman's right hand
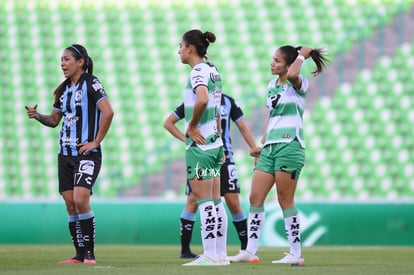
column 31, row 111
column 255, row 151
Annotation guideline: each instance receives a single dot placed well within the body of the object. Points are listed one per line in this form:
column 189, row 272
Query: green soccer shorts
column 203, row 164
column 287, row 157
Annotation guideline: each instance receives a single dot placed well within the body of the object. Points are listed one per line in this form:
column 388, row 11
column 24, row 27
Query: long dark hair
column 200, row 40
column 318, row 56
column 79, row 52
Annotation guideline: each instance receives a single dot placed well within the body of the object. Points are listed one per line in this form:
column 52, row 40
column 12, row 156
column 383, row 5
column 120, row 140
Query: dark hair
column 200, row 40
column 290, row 53
column 79, row 52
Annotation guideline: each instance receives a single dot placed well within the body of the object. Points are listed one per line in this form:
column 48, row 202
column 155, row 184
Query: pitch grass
column 157, row 260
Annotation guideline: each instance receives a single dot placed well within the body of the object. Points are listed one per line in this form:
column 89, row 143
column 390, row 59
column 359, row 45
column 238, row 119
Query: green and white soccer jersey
column 205, row 74
column 286, row 107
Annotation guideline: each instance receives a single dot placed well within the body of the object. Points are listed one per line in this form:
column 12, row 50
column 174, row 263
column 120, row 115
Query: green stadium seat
column 135, row 54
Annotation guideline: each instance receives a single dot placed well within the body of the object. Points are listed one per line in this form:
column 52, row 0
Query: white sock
column 292, row 227
column 221, row 230
column 254, row 227
column 208, row 221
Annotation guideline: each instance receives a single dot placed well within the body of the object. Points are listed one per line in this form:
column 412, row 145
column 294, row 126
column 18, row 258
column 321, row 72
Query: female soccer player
column 283, row 154
column 204, row 147
column 230, row 189
column 87, row 115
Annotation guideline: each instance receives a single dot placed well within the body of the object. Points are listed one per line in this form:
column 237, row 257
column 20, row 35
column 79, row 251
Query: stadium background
column 358, row 120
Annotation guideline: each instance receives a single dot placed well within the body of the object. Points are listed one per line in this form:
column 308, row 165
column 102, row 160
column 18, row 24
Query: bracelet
column 260, row 145
column 301, row 57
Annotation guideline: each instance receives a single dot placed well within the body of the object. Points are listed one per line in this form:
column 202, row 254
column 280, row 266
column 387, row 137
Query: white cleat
column 203, row 260
column 244, row 256
column 224, row 261
column 290, row 259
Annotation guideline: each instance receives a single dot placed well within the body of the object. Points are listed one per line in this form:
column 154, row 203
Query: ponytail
column 318, row 56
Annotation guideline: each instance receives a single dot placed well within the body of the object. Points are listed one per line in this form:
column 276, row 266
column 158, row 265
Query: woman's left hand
column 84, row 148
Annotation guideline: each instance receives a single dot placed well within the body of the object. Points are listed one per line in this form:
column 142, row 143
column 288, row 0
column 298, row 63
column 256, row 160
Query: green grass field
column 125, row 259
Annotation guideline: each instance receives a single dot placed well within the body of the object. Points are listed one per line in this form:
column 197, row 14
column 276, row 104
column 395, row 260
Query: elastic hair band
column 76, row 49
column 73, row 47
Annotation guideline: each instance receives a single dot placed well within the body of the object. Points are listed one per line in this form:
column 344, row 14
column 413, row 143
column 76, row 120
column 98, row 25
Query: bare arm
column 248, row 137
column 169, row 125
column 255, row 152
column 294, row 68
column 199, row 107
column 51, row 120
column 107, row 114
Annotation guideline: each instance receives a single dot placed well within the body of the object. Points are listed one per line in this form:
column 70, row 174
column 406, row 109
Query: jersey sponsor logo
column 231, row 168
column 67, row 141
column 198, row 79
column 61, row 101
column 215, row 77
column 97, row 86
column 86, row 167
column 69, row 120
column 206, row 172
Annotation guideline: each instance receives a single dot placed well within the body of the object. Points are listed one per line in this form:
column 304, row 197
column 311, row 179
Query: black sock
column 88, row 227
column 77, row 238
column 241, row 227
column 186, row 232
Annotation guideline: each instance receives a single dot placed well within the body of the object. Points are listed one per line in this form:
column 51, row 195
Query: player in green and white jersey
column 204, row 146
column 282, row 155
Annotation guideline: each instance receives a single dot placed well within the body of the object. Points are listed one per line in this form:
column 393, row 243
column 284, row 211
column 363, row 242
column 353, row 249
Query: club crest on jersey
column 223, row 111
column 78, row 97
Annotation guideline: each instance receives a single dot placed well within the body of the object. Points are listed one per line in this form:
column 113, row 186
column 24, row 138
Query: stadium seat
column 135, row 56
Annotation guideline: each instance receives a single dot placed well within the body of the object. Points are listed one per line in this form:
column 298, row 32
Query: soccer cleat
column 225, row 261
column 290, row 259
column 89, row 258
column 188, row 255
column 73, row 260
column 244, row 256
column 203, row 260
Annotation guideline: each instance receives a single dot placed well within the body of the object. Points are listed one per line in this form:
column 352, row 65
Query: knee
column 70, row 207
column 255, row 200
column 82, row 207
column 285, row 201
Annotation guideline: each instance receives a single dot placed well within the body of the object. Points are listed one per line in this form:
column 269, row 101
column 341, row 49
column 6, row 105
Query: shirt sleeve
column 58, row 105
column 199, row 76
column 305, row 85
column 97, row 91
column 179, row 111
column 236, row 112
